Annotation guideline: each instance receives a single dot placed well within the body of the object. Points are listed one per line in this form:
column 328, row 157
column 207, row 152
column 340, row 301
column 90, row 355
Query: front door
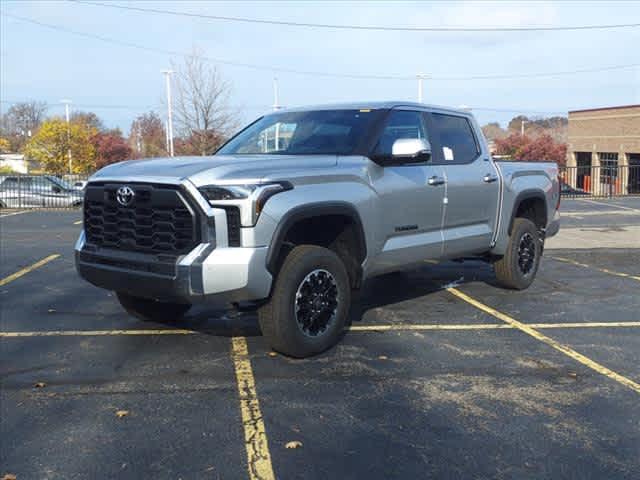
column 410, row 197
column 473, row 186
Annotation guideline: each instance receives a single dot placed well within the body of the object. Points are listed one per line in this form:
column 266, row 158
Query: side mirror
column 411, row 150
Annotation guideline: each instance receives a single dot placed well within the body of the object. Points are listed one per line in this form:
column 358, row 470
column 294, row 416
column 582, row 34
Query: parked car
column 568, row 190
column 304, row 205
column 31, row 191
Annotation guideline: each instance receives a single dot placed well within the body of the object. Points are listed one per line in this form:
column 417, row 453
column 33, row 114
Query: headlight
column 214, row 193
column 250, row 198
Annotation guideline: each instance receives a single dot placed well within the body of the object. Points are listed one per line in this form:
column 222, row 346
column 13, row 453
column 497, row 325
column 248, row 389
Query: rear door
column 472, row 185
column 410, row 204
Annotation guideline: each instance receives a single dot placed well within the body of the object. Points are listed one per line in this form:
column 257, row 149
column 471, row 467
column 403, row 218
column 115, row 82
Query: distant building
column 603, row 155
column 15, row 162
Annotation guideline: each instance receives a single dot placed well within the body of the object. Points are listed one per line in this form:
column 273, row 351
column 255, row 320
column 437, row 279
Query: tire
column 518, row 268
column 152, row 310
column 310, row 303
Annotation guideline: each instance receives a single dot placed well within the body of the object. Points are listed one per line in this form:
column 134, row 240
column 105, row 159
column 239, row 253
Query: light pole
column 167, row 75
column 276, row 106
column 420, row 77
column 66, row 104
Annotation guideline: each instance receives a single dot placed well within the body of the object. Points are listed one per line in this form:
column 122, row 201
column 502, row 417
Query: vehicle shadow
column 379, row 292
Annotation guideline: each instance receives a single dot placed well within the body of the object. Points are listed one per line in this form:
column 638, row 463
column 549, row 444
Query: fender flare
column 532, row 193
column 311, row 210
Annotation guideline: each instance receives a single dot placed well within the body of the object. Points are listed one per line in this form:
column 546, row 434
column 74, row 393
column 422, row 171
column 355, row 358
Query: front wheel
column 310, row 303
column 152, row 310
column 518, row 267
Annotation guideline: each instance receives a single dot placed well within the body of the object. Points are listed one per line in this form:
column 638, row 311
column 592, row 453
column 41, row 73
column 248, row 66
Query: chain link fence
column 42, row 191
column 605, row 180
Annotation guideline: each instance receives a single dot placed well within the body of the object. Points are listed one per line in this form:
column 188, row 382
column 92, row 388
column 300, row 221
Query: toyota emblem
column 125, row 195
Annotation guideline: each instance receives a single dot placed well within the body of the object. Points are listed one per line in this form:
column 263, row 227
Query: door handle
column 435, row 181
column 488, row 178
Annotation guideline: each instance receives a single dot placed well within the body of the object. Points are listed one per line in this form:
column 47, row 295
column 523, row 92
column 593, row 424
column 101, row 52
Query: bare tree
column 147, row 137
column 21, row 121
column 202, row 114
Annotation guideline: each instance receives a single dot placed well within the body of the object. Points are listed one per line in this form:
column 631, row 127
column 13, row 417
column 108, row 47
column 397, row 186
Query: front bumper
column 205, row 274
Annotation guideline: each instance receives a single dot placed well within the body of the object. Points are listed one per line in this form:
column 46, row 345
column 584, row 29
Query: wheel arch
column 531, row 198
column 315, row 211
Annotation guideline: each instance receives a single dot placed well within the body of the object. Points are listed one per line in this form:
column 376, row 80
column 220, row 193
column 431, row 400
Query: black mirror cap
column 390, row 160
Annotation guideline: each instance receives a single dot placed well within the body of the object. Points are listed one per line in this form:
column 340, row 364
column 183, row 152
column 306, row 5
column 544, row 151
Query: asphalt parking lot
column 443, row 375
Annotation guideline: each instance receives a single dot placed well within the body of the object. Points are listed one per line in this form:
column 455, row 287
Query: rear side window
column 456, row 138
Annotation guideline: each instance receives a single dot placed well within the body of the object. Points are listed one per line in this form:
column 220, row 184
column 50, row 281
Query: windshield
column 329, row 132
column 61, row 183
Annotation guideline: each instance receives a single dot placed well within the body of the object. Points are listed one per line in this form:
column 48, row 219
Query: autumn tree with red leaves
column 524, row 148
column 110, row 148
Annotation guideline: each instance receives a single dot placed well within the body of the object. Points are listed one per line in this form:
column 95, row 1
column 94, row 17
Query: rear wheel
column 310, row 303
column 518, row 268
column 153, row 310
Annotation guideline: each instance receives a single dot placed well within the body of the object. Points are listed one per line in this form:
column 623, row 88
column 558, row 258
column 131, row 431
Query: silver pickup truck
column 302, row 206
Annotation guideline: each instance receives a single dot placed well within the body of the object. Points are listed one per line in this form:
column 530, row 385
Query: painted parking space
column 179, row 395
column 424, row 384
column 26, row 238
column 415, row 406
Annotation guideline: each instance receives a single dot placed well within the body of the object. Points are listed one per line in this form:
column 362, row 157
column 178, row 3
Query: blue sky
column 119, row 82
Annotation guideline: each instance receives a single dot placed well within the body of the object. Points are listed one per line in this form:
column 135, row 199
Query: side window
column 10, row 183
column 26, row 183
column 456, row 138
column 400, row 124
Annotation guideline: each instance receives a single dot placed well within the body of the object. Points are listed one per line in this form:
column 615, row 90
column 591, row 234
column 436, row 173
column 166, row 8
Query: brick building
column 604, row 150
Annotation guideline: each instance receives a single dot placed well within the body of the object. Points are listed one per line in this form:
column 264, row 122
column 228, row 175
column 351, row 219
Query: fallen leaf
column 122, row 413
column 273, row 354
column 40, row 385
column 9, row 476
column 573, row 374
column 383, row 357
column 294, row 444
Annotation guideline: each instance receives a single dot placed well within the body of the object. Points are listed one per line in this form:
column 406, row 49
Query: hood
column 205, row 169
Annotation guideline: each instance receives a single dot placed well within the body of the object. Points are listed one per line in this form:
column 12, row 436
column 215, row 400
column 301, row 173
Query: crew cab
column 302, row 206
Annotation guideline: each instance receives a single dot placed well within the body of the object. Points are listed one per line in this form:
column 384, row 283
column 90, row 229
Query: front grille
column 158, row 220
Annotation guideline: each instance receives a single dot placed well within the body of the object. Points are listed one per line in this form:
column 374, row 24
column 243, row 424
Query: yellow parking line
column 255, row 436
column 28, row 269
column 549, row 341
column 353, row 328
column 96, row 333
column 13, row 213
column 405, row 327
column 614, row 205
column 603, row 270
column 487, row 326
column 584, row 325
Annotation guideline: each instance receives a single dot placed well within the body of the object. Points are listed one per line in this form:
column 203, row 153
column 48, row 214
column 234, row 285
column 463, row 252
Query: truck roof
column 373, row 106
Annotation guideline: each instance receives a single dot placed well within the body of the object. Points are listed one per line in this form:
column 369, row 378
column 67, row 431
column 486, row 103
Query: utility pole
column 166, row 136
column 276, row 104
column 66, row 104
column 420, row 77
column 167, row 75
column 522, row 122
